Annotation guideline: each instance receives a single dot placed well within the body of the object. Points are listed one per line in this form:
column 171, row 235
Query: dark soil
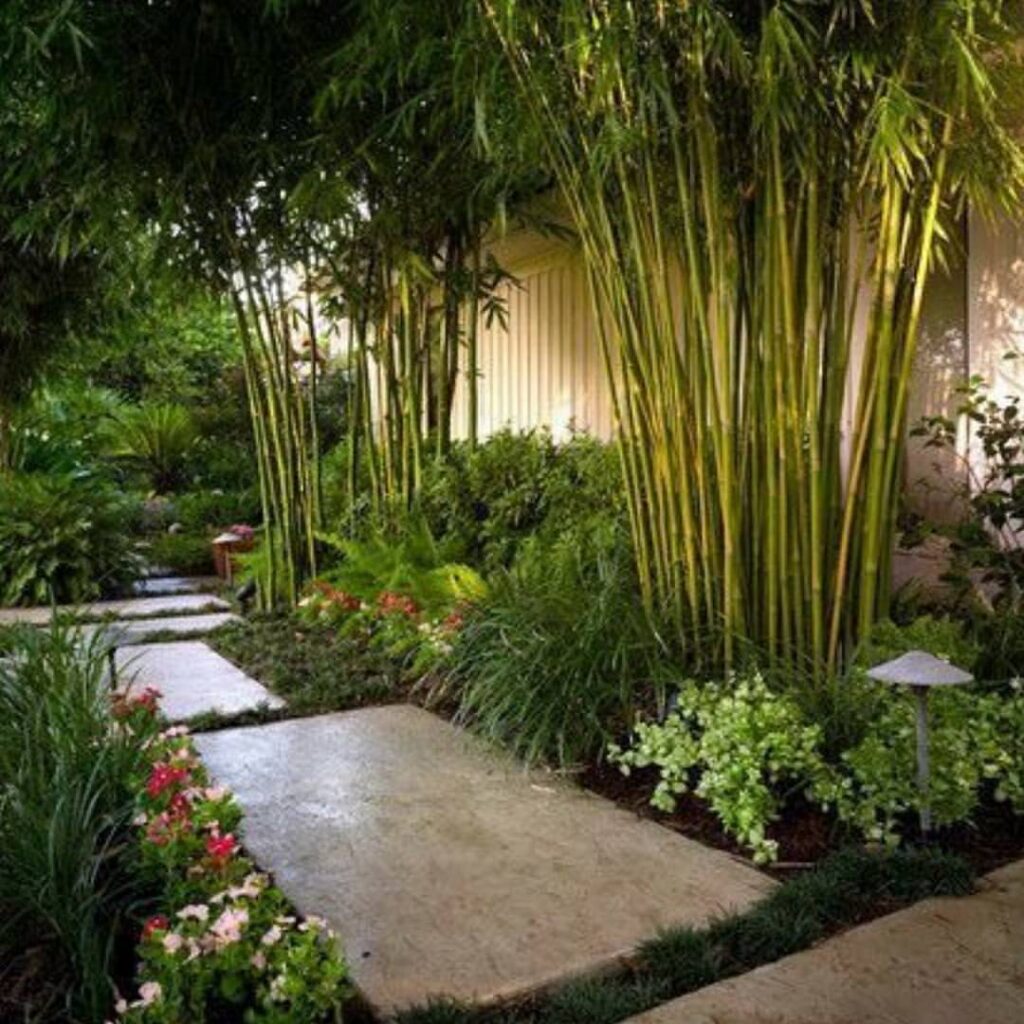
column 805, row 833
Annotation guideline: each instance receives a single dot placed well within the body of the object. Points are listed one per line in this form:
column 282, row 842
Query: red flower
column 156, row 923
column 221, row 847
column 163, row 776
column 391, row 603
column 453, row 623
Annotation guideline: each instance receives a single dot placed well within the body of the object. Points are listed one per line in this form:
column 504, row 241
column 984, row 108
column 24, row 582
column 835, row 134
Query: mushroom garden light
column 920, row 671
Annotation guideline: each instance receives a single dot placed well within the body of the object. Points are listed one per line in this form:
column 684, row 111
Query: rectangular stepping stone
column 122, row 608
column 193, row 679
column 942, row 961
column 165, row 586
column 446, row 868
column 126, row 633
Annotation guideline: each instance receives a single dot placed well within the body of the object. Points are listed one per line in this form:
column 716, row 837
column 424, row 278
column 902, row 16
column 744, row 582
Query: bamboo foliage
column 283, row 415
column 741, row 184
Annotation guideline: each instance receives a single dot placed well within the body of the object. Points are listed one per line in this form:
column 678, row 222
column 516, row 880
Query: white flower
column 258, row 960
column 216, row 793
column 173, row 942
column 195, row 911
column 140, row 818
column 272, row 936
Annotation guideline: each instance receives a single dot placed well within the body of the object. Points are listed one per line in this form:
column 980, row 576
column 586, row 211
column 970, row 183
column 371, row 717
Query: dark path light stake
column 920, row 671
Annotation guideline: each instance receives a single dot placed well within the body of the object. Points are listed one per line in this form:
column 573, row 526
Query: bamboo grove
column 760, row 192
column 760, row 196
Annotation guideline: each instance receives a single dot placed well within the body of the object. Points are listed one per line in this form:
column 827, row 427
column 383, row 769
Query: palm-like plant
column 156, row 438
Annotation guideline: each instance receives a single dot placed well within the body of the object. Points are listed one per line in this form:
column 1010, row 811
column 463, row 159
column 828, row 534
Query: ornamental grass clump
column 556, row 660
column 68, row 868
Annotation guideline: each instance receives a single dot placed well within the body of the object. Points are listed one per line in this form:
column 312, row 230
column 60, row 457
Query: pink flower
column 228, row 927
column 258, row 960
column 216, row 793
column 149, row 993
column 173, row 942
column 272, row 936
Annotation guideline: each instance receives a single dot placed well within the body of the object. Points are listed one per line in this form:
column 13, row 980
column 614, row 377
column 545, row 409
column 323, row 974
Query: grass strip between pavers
column 845, row 889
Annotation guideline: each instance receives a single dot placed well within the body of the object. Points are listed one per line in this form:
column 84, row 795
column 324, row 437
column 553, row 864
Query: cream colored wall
column 547, row 367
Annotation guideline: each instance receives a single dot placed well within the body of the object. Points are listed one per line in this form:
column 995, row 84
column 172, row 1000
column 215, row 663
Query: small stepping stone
column 193, row 679
column 130, row 632
column 123, row 608
column 942, row 961
column 165, row 586
column 446, row 868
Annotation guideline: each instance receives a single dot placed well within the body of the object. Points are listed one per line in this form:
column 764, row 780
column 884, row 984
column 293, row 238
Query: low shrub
column 187, row 554
column 63, row 538
column 746, row 749
column 226, row 945
column 309, row 663
column 514, row 486
column 68, row 868
column 555, row 661
column 209, row 511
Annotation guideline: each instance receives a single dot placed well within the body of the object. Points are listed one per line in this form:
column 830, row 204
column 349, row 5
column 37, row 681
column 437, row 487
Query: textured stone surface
column 164, row 586
column 124, row 608
column 128, row 632
column 945, row 961
column 193, row 679
column 449, row 870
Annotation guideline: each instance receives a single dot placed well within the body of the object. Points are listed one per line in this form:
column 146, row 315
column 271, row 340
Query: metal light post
column 921, row 671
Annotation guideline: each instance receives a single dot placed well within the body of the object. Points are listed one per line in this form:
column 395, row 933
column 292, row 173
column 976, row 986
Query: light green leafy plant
column 736, row 744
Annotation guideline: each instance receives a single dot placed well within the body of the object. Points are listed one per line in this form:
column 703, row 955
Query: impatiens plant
column 228, row 946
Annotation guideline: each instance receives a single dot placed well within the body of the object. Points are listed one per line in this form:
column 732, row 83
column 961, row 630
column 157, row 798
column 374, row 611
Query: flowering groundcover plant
column 227, row 946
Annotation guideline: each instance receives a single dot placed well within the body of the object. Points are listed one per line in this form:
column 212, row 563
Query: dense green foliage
column 841, row 891
column 62, row 538
column 67, row 871
column 558, row 658
column 747, row 750
column 309, row 664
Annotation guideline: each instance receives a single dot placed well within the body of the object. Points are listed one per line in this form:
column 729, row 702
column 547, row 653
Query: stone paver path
column 944, row 961
column 193, row 679
column 127, row 632
column 162, row 586
column 446, row 868
column 122, row 608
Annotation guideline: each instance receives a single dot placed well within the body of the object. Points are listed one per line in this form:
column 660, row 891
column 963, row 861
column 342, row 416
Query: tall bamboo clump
column 745, row 185
column 283, row 416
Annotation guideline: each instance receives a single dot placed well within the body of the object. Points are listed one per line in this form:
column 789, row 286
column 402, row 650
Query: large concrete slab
column 943, row 961
column 449, row 870
column 193, row 679
column 130, row 632
column 122, row 608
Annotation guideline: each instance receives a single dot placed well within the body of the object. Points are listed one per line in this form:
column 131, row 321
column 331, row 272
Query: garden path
column 942, row 961
column 450, row 870
column 126, row 632
column 121, row 608
column 192, row 679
